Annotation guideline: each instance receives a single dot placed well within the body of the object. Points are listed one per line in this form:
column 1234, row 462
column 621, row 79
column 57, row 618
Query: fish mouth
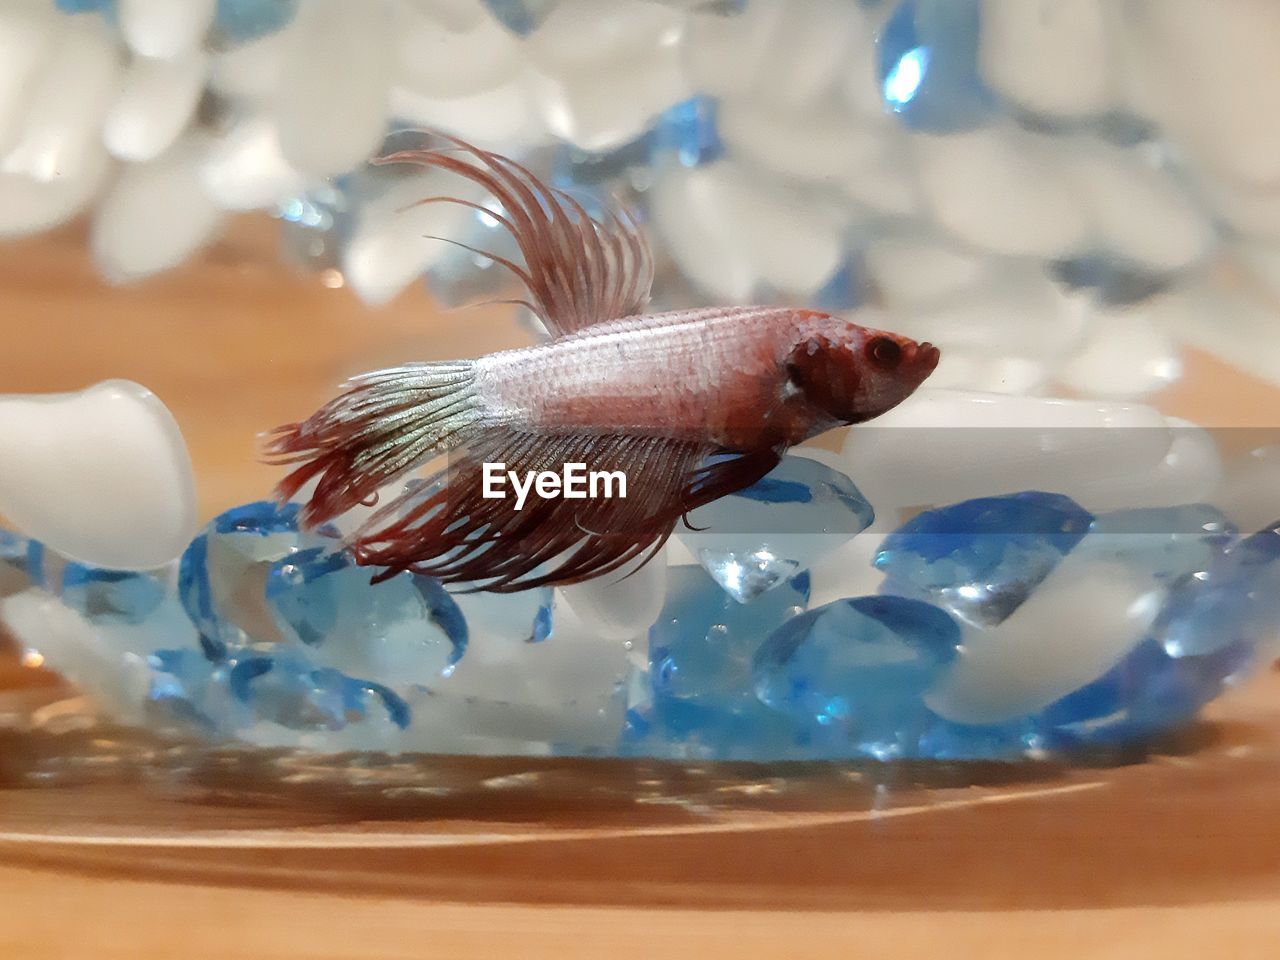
column 927, row 356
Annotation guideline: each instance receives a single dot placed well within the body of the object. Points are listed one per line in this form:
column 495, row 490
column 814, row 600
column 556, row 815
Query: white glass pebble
column 101, row 476
column 28, row 30
column 245, row 169
column 1214, row 75
column 1003, row 190
column 433, row 60
column 1139, row 209
column 66, row 100
column 1073, row 628
column 163, row 28
column 332, row 120
column 155, row 215
column 731, row 232
column 944, row 446
column 1053, row 58
column 391, row 244
column 1126, row 354
column 619, row 605
column 155, row 104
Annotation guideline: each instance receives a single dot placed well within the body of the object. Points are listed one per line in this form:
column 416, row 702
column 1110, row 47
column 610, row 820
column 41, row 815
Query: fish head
column 854, row 373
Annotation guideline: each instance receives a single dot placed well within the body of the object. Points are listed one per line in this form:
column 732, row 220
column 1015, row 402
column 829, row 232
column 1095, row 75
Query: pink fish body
column 689, row 405
column 718, row 375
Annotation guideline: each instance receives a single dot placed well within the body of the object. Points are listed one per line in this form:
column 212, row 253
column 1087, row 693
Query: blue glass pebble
column 847, row 287
column 753, row 540
column 688, row 132
column 1147, row 694
column 697, row 699
column 521, row 17
column 703, row 642
column 927, row 66
column 405, row 629
column 946, row 741
column 240, row 21
column 1112, row 281
column 542, row 624
column 1236, row 600
column 858, row 667
column 222, row 574
column 290, row 690
column 106, row 7
column 981, row 559
column 111, row 596
column 742, row 730
column 188, row 689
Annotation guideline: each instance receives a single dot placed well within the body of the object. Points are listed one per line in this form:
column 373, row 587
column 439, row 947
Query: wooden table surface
column 139, row 850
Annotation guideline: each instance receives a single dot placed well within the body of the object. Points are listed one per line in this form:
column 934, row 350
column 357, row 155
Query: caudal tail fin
column 381, row 426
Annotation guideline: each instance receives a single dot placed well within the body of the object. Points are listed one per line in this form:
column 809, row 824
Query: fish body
column 689, row 405
column 718, row 375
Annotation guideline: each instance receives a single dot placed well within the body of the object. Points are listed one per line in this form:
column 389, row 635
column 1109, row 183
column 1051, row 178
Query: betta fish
column 689, row 405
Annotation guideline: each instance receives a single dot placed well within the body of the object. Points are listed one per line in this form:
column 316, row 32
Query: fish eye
column 884, row 353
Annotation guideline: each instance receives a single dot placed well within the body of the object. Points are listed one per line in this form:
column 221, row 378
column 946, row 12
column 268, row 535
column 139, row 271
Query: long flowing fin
column 446, row 528
column 381, row 426
column 578, row 270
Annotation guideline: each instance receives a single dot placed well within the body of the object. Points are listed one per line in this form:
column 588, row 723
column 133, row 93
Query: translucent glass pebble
column 289, row 690
column 156, row 101
column 847, row 289
column 928, row 66
column 1236, row 600
column 457, row 275
column 253, row 582
column 522, row 617
column 759, row 537
column 285, row 689
column 859, row 667
column 330, row 121
column 1169, row 543
column 19, row 558
column 696, row 699
column 981, row 559
column 134, row 234
column 703, row 641
column 223, row 574
column 111, row 596
column 316, row 224
column 948, row 741
column 406, row 629
column 187, row 690
column 622, row 604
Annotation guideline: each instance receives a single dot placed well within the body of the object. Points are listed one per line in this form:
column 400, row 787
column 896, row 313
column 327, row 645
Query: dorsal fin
column 578, row 270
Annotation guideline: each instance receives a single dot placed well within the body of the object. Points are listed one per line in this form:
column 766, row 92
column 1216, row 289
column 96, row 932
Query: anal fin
column 448, row 529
